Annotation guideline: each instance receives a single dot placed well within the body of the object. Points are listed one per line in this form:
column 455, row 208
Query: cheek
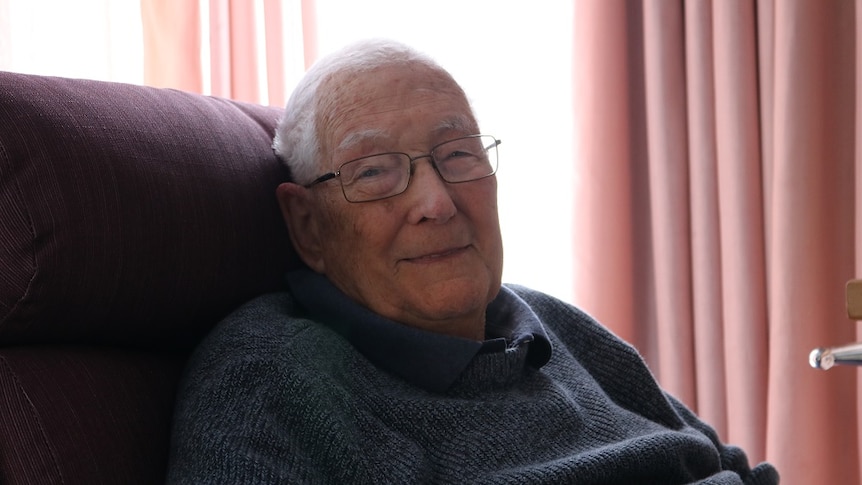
column 487, row 219
column 355, row 238
column 481, row 207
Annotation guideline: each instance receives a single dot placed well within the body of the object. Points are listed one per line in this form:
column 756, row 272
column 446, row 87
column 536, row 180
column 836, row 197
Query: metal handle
column 826, row 357
column 851, row 354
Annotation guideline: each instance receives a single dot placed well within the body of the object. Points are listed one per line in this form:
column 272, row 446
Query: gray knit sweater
column 272, row 397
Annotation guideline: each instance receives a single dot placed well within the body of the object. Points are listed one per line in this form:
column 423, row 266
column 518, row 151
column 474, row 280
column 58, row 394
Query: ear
column 298, row 211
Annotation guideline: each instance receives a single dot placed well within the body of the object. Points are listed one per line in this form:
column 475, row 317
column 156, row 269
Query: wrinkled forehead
column 459, row 123
column 367, row 104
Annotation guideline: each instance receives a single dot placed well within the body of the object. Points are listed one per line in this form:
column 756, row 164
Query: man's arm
column 732, row 458
column 232, row 418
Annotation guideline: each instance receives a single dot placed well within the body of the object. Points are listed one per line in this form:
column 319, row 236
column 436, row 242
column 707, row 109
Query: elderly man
column 398, row 356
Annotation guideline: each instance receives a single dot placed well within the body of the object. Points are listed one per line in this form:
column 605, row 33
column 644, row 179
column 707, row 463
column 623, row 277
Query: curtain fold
column 709, row 346
column 813, row 424
column 740, row 222
column 664, row 77
column 309, row 26
column 605, row 250
column 274, row 40
column 239, row 53
column 719, row 213
column 172, row 32
column 233, row 53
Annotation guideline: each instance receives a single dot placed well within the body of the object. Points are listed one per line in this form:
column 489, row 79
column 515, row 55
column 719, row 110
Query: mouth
column 438, row 256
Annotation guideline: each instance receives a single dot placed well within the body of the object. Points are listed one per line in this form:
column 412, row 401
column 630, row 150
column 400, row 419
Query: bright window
column 514, row 59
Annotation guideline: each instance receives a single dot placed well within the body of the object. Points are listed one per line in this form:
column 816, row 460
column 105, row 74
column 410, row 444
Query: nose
column 429, row 195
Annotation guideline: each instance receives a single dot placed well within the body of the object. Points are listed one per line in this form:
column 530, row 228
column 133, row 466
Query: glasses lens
column 466, row 159
column 375, row 177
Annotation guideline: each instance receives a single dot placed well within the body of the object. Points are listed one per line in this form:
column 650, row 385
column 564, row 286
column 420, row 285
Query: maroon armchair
column 131, row 220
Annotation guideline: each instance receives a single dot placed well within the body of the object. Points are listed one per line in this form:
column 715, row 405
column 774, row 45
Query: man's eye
column 369, row 172
column 457, row 155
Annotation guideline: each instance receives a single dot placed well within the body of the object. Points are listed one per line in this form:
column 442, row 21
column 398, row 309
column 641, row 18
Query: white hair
column 297, row 142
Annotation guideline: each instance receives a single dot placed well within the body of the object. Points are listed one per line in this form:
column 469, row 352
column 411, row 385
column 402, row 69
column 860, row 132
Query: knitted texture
column 273, row 398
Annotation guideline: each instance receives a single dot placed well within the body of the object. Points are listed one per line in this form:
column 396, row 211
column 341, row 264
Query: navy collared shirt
column 429, row 360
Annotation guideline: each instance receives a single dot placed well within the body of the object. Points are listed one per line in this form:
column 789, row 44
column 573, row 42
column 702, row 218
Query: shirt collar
column 430, row 360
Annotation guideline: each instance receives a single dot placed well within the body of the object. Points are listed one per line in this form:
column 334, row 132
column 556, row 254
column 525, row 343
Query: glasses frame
column 337, row 174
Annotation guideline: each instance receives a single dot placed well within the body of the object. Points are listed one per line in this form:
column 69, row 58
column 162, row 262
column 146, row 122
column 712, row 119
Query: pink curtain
column 719, row 210
column 172, row 44
column 172, row 47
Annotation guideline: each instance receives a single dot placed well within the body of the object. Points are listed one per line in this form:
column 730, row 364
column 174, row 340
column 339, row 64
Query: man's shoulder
column 549, row 307
column 269, row 314
column 266, row 340
column 263, row 327
column 568, row 323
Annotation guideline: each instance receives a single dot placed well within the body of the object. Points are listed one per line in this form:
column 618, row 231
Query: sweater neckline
column 426, row 359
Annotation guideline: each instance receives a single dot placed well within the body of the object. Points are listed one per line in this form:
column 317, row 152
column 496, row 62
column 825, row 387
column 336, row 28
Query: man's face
column 432, row 256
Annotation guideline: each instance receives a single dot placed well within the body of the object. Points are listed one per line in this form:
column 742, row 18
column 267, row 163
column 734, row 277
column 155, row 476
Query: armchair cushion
column 131, row 215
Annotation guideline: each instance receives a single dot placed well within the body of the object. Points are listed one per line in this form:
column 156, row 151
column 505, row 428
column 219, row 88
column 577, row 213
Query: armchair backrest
column 131, row 220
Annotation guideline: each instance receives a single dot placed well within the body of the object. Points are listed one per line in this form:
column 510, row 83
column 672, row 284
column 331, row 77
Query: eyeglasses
column 385, row 175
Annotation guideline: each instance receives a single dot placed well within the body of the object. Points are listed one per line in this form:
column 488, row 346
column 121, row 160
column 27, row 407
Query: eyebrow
column 455, row 123
column 358, row 137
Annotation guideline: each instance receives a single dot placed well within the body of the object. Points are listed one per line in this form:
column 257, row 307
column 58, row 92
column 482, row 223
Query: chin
column 454, row 298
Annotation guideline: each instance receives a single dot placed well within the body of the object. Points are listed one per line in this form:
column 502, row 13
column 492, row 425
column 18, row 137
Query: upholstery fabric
column 85, row 415
column 131, row 220
column 131, row 215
